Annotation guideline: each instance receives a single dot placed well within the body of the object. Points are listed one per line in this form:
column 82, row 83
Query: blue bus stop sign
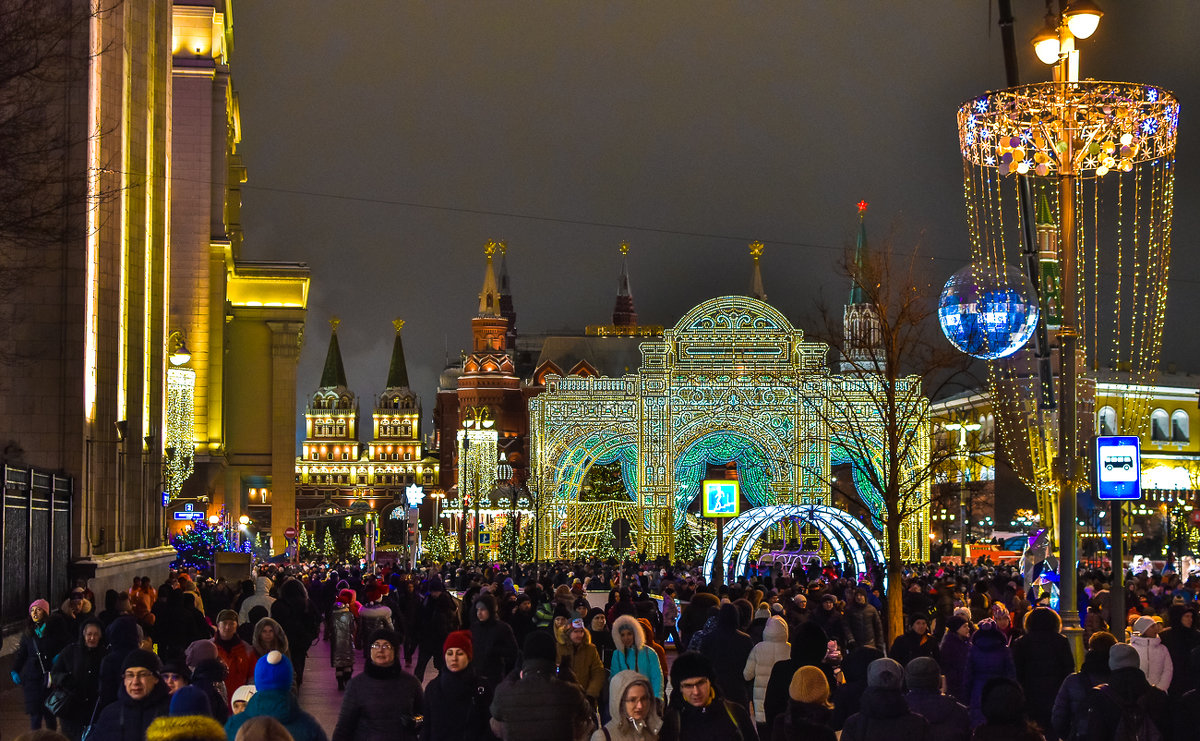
column 1118, row 467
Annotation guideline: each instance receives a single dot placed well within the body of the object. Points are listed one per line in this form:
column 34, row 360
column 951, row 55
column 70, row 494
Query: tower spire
column 489, row 296
column 506, row 303
column 624, row 315
column 860, row 256
column 397, row 369
column 756, row 282
column 334, row 373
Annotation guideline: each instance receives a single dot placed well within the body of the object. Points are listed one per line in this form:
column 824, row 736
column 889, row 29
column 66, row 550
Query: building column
column 286, row 339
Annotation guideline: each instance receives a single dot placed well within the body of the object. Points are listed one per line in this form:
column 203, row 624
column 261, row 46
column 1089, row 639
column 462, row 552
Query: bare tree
column 893, row 360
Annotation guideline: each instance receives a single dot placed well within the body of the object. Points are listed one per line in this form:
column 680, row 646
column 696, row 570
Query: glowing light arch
column 845, row 534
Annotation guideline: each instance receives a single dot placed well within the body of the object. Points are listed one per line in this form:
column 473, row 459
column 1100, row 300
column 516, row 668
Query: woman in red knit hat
column 458, row 699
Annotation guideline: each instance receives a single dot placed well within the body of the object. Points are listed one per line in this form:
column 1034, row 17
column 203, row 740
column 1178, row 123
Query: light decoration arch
column 852, row 543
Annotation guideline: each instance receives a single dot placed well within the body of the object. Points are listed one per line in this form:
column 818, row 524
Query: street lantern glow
column 1082, row 16
column 1045, row 44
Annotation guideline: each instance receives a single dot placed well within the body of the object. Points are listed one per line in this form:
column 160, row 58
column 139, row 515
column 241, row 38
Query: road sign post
column 1118, row 479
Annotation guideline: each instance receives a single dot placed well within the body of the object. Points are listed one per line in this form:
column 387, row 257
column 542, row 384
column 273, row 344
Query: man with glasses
column 141, row 698
column 697, row 711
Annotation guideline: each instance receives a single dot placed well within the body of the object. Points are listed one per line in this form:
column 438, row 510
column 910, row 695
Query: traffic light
column 412, row 532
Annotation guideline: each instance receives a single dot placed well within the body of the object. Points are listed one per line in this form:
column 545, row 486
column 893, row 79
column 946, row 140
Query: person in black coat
column 1070, row 705
column 383, row 702
column 1181, row 638
column 728, row 648
column 948, row 718
column 1043, row 659
column 1126, row 695
column 697, row 711
column 847, row 697
column 914, row 642
column 76, row 669
column 493, row 644
column 40, row 643
column 124, row 635
column 883, row 711
column 141, row 698
column 458, row 699
column 301, row 623
column 809, row 645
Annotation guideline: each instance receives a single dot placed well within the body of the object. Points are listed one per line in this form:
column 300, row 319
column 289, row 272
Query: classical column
column 286, row 339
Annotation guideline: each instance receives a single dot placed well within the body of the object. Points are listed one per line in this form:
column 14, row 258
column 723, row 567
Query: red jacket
column 240, row 660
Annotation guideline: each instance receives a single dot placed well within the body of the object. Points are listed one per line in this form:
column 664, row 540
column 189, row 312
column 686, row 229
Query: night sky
column 387, row 141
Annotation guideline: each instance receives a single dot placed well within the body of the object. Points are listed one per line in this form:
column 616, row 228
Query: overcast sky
column 387, row 141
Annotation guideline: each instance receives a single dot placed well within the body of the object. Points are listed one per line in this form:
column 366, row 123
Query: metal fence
column 35, row 533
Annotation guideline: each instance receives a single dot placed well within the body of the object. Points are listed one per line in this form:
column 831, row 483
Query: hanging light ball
column 988, row 313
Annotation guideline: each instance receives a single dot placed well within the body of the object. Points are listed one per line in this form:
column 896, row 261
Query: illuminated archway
column 851, row 541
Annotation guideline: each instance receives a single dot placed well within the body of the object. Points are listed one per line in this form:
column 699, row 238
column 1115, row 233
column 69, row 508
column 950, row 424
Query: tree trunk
column 895, row 584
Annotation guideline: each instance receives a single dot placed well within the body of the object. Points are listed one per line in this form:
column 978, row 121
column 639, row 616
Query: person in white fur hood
column 763, row 657
column 1153, row 656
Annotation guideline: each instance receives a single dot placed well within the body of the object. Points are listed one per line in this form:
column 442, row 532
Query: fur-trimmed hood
column 627, row 622
column 185, row 728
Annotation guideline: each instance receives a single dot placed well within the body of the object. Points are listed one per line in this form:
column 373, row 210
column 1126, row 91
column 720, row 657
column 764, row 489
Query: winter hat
column 177, row 668
column 224, row 615
column 346, row 596
column 1142, row 624
column 923, row 674
column 1123, row 656
column 139, row 657
column 198, row 651
column 185, row 728
column 885, row 674
column 435, row 585
column 955, row 622
column 691, row 664
column 1002, row 701
column 39, row 603
column 577, row 623
column 460, row 639
column 539, row 646
column 810, row 686
column 376, row 592
column 190, row 701
column 273, row 672
column 776, row 608
column 388, row 636
column 243, row 694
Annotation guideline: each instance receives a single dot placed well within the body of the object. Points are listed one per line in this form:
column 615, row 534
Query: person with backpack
column 1127, row 708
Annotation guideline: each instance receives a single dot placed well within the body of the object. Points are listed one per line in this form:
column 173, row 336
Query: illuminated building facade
column 335, row 471
column 144, row 262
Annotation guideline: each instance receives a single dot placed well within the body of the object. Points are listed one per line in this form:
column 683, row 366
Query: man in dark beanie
column 538, row 706
column 948, row 718
column 883, row 712
column 495, row 646
column 1128, row 704
column 141, row 698
column 697, row 711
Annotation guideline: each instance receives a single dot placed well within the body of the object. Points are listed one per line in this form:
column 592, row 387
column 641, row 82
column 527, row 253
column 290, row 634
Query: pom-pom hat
column 273, row 672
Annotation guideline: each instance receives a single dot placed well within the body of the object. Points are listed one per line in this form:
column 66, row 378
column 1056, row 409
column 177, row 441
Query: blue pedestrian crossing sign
column 721, row 498
column 1118, row 467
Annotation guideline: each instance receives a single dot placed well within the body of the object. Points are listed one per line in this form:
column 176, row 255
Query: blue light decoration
column 986, row 314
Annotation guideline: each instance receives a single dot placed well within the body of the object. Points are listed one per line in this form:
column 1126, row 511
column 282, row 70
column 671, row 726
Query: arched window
column 1159, row 429
column 1179, row 426
column 1106, row 420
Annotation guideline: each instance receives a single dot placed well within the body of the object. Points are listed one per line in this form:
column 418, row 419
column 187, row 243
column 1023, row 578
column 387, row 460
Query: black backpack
column 1135, row 723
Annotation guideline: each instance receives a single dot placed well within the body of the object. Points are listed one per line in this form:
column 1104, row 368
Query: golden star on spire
column 624, row 248
column 398, row 324
column 333, row 324
column 490, row 248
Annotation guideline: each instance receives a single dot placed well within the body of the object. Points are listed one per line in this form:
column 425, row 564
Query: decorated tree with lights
column 686, row 546
column 328, row 546
column 197, row 546
column 357, row 550
column 308, row 547
column 525, row 547
column 437, row 544
column 510, row 539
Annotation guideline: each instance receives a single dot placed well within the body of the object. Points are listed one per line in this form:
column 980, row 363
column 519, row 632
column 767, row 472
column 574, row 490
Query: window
column 1106, row 419
column 345, row 456
column 429, row 478
column 408, row 455
column 1179, row 426
column 395, row 456
column 1159, row 426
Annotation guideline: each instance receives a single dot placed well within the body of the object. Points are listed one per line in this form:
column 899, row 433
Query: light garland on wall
column 181, row 399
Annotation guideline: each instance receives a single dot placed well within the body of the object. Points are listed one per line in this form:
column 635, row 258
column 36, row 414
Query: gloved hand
column 16, row 678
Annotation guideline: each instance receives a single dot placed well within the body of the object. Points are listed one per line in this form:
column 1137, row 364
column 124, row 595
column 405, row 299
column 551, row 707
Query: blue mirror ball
column 988, row 314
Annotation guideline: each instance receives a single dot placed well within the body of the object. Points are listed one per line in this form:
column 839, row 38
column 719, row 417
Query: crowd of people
column 579, row 650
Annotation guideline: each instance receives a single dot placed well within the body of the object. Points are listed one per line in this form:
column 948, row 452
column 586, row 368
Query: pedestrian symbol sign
column 721, row 498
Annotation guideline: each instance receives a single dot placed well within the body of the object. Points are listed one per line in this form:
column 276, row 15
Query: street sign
column 289, row 533
column 721, row 498
column 485, row 538
column 1118, row 467
column 189, row 515
column 1196, row 517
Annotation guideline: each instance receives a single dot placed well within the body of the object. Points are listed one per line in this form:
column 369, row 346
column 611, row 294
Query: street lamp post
column 962, row 428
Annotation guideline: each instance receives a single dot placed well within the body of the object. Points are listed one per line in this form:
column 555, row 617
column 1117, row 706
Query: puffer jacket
column 379, row 704
column 1043, row 659
column 341, row 632
column 262, row 596
column 641, row 658
column 948, row 718
column 619, row 728
column 1070, row 704
column 989, row 657
column 282, row 706
column 1155, row 661
column 763, row 657
column 584, row 662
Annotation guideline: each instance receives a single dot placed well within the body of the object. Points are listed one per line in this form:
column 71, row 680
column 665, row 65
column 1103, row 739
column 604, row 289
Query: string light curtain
column 1108, row 150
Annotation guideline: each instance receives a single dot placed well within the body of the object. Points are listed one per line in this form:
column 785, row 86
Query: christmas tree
column 357, row 549
column 197, row 546
column 510, row 539
column 307, row 546
column 436, row 544
column 686, row 547
column 328, row 547
column 525, row 548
